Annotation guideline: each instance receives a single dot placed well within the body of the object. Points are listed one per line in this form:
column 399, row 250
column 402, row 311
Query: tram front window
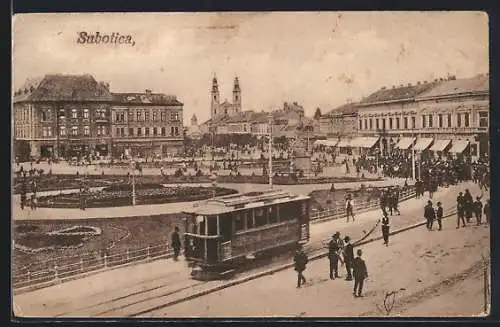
column 273, row 214
column 212, row 225
column 239, row 222
column 260, row 217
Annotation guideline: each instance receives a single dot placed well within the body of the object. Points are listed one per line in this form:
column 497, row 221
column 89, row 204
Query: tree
column 317, row 114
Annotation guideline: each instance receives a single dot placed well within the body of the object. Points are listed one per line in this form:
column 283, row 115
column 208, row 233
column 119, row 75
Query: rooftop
column 399, row 93
column 146, row 98
column 58, row 87
column 345, row 109
column 479, row 83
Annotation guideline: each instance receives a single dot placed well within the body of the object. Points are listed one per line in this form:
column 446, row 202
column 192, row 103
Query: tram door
column 304, row 220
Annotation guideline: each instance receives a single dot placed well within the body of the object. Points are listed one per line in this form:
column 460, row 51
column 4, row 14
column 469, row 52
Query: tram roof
column 230, row 203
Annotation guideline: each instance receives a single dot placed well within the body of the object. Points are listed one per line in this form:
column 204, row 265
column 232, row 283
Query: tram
column 226, row 232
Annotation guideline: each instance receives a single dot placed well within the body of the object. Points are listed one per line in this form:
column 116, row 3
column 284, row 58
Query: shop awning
column 423, row 143
column 459, row 146
column 405, row 142
column 364, row 142
column 329, row 142
column 344, row 143
column 440, row 145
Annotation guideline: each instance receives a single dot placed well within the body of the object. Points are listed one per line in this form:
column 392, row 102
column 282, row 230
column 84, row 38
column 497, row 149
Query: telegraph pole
column 413, row 159
column 270, row 173
column 132, row 163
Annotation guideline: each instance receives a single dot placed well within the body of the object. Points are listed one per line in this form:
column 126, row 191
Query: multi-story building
column 341, row 121
column 445, row 115
column 218, row 109
column 146, row 123
column 63, row 115
column 75, row 116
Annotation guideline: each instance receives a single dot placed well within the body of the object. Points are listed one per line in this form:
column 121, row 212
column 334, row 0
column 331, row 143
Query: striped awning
column 459, row 146
column 328, row 142
column 344, row 143
column 405, row 142
column 440, row 145
column 423, row 143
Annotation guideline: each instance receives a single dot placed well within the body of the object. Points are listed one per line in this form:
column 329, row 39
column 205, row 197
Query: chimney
column 148, row 92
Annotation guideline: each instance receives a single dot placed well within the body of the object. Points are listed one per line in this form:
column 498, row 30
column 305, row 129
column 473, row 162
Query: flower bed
column 121, row 195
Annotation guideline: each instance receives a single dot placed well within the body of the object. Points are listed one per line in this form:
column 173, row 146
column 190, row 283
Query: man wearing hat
column 348, row 257
column 334, row 255
column 429, row 214
column 300, row 261
column 439, row 215
column 385, row 229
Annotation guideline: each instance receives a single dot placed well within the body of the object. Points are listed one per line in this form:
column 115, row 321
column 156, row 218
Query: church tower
column 237, row 95
column 215, row 96
column 194, row 120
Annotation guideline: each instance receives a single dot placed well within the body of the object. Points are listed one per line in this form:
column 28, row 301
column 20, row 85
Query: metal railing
column 63, row 268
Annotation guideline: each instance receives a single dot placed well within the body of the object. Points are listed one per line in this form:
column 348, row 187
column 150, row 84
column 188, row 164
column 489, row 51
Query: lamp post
column 270, row 117
column 132, row 163
column 413, row 158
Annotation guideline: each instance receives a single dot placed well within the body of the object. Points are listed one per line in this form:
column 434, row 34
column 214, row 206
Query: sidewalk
column 163, row 276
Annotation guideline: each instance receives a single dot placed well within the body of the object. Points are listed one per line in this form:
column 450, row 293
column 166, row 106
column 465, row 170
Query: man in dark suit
column 429, row 214
column 439, row 215
column 360, row 273
column 176, row 243
column 460, row 210
column 469, row 205
column 348, row 257
column 385, row 229
column 300, row 260
column 334, row 255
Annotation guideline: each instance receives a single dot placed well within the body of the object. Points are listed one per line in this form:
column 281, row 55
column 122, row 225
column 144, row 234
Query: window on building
column 366, row 123
column 459, row 120
column 423, row 122
column 131, row 131
column 163, row 132
column 376, row 124
column 49, row 131
column 117, row 131
column 147, row 131
column 44, row 115
column 122, row 116
column 405, row 122
column 397, row 123
column 130, row 115
column 85, row 113
column 74, row 130
column 176, row 130
column 155, row 131
column 163, row 115
column 62, row 130
column 360, row 124
column 371, row 123
column 483, row 119
column 139, row 131
column 45, row 133
column 146, row 115
column 449, row 120
column 172, row 131
column 62, row 113
column 413, row 122
column 175, row 116
column 383, row 124
column 86, row 130
column 440, row 120
column 466, row 119
column 430, row 121
column 122, row 131
column 390, row 123
column 155, row 115
column 139, row 115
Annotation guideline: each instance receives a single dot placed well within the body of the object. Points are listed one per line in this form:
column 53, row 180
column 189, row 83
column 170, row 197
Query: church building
column 224, row 109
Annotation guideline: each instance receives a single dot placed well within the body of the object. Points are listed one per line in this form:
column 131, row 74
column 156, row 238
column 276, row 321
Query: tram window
column 239, row 222
column 273, row 214
column 288, row 211
column 260, row 217
column 304, row 209
column 249, row 218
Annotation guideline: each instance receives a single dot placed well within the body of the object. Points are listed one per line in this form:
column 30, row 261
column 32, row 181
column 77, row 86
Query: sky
column 318, row 59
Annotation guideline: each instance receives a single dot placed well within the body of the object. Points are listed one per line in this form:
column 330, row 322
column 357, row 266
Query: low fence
column 67, row 268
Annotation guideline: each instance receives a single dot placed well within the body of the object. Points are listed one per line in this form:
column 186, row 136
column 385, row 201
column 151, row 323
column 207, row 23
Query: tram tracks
column 319, row 254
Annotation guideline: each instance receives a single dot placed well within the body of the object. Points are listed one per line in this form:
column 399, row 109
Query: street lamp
column 132, row 163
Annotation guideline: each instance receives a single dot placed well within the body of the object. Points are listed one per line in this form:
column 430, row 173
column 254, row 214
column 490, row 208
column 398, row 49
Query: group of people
column 338, row 251
column 466, row 207
column 29, row 199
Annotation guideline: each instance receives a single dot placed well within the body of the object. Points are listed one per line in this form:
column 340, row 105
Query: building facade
column 146, row 124
column 63, row 116
column 445, row 115
column 341, row 121
column 74, row 116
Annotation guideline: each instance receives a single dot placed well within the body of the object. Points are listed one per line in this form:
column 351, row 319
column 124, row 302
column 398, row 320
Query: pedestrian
column 176, row 243
column 360, row 273
column 460, row 210
column 383, row 202
column 300, row 260
column 468, row 204
column 385, row 229
column 349, row 207
column 487, row 211
column 23, row 199
column 429, row 215
column 439, row 215
column 348, row 257
column 334, row 255
column 478, row 210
